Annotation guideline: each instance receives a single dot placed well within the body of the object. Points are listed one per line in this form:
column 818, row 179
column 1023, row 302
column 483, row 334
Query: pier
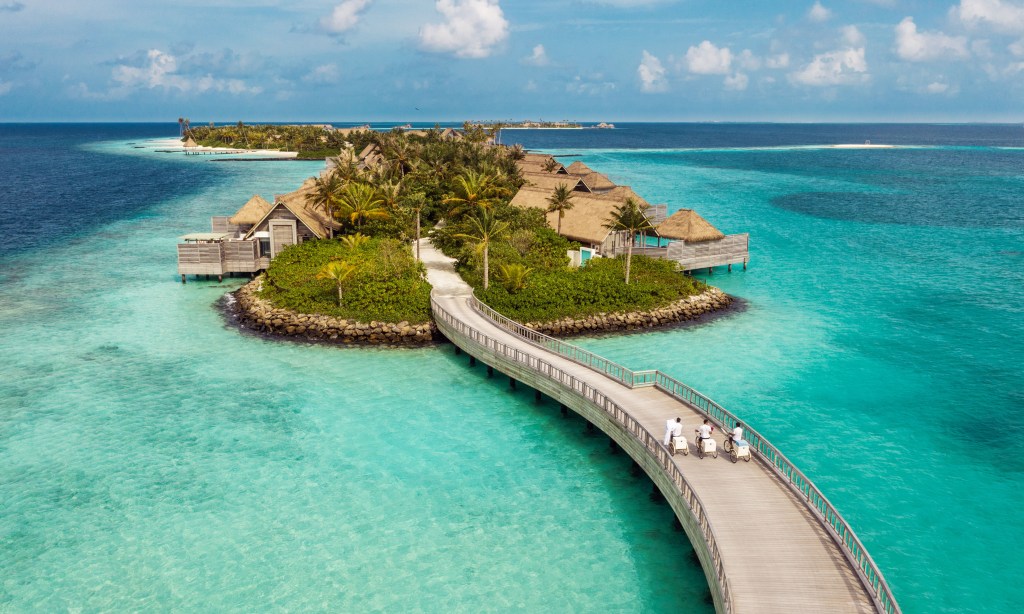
column 768, row 540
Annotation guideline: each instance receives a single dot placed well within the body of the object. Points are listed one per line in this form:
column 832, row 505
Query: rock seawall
column 689, row 308
column 260, row 315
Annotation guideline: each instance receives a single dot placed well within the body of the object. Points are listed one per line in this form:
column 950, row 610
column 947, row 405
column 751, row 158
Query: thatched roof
column 597, row 181
column 251, row 212
column 550, row 181
column 578, row 168
column 296, row 203
column 532, row 166
column 686, row 225
column 190, row 142
column 584, row 222
column 620, row 193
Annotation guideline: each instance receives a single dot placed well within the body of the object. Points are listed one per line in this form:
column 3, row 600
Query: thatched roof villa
column 692, row 240
column 246, row 241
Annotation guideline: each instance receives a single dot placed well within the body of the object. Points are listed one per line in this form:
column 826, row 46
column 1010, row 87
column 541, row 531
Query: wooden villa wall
column 303, row 233
column 733, row 249
column 200, row 259
column 222, row 224
column 241, row 256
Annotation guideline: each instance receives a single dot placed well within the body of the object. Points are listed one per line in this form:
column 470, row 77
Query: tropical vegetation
column 459, row 191
column 365, row 280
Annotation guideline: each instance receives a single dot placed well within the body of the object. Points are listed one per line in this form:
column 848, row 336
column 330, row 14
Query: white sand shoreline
column 859, row 146
column 174, row 143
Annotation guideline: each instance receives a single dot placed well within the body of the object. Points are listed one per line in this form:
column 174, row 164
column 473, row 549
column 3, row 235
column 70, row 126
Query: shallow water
column 153, row 459
column 880, row 343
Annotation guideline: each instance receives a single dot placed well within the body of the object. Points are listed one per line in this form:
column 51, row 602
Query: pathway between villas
column 777, row 555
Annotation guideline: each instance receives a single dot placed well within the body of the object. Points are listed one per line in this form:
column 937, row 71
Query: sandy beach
column 860, row 146
column 174, row 143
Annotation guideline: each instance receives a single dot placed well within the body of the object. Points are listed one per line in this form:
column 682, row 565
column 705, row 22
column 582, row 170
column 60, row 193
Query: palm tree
column 551, row 165
column 359, row 203
column 560, row 201
column 415, row 202
column 474, row 190
column 486, row 229
column 339, row 271
column 325, row 192
column 629, row 217
column 353, row 242
column 390, row 192
column 513, row 276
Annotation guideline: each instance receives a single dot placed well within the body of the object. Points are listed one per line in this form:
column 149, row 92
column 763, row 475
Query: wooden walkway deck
column 765, row 544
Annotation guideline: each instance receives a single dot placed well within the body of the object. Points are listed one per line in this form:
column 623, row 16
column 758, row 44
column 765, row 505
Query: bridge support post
column 512, row 383
column 183, row 278
column 730, row 268
column 565, row 410
column 744, row 265
column 537, row 397
column 711, row 270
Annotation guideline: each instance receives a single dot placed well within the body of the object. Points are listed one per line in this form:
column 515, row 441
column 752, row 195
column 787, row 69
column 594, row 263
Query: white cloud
column 707, row 59
column 592, row 85
column 936, row 87
column 777, row 61
column 818, row 13
column 917, row 46
column 11, row 7
column 651, row 73
column 840, row 67
column 736, row 82
column 471, row 28
column 1017, row 48
column 1000, row 16
column 539, row 57
column 748, row 60
column 531, row 86
column 344, row 17
column 852, row 36
column 160, row 70
column 325, row 74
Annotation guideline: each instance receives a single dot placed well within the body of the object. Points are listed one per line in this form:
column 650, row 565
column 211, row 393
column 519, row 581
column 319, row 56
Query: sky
column 456, row 60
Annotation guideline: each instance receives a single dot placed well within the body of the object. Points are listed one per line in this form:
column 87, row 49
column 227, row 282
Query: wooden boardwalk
column 765, row 544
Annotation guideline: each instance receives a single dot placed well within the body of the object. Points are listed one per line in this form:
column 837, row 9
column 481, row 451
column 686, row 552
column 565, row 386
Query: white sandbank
column 860, row 146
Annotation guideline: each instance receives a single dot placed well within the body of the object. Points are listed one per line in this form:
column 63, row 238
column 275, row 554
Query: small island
column 564, row 249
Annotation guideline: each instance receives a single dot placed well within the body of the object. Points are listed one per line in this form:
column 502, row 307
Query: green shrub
column 598, row 287
column 388, row 285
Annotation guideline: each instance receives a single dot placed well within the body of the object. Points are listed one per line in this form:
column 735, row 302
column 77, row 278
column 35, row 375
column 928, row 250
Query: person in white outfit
column 737, row 433
column 673, row 428
column 704, row 431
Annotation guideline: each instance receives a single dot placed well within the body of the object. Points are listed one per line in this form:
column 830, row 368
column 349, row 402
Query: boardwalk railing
column 649, row 441
column 820, row 506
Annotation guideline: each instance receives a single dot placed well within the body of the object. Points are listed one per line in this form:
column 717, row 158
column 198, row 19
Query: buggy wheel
column 735, row 457
column 747, row 459
column 714, row 454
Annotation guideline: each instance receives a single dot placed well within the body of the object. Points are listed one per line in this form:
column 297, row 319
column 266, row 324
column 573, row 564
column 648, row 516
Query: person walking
column 673, row 428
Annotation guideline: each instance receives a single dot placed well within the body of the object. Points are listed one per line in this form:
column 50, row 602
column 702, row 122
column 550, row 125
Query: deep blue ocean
column 153, row 458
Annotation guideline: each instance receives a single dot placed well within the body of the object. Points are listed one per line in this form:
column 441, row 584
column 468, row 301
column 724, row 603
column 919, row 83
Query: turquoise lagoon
column 153, row 458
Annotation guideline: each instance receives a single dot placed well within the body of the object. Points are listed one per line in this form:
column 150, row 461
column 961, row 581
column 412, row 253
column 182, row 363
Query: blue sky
column 451, row 60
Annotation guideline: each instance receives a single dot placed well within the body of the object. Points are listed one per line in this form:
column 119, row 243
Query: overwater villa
column 246, row 241
column 684, row 237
